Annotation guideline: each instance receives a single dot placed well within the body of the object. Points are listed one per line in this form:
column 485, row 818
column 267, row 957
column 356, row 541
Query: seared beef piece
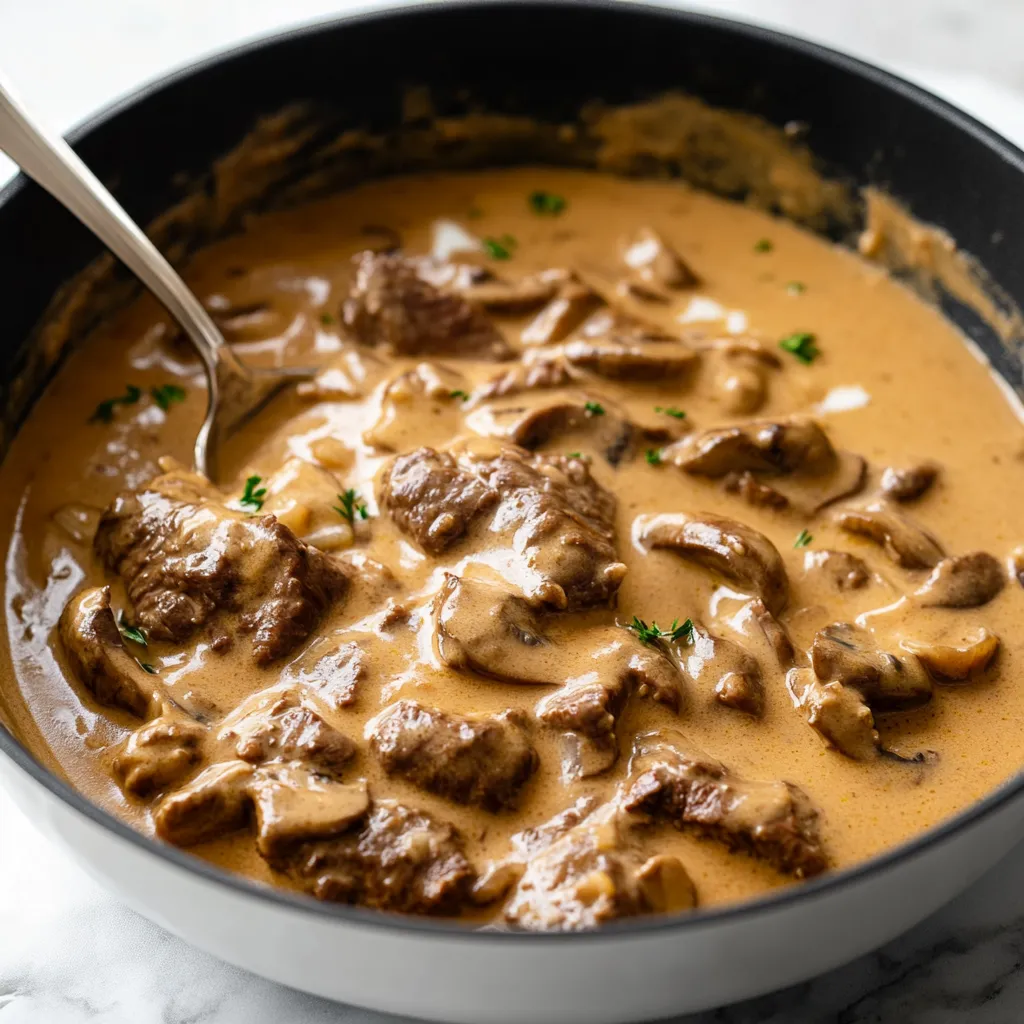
column 837, row 713
column 733, row 674
column 98, row 657
column 539, row 420
column 726, row 546
column 185, row 557
column 753, row 491
column 560, row 518
column 588, row 705
column 850, row 656
column 400, row 859
column 840, row 569
column 392, row 306
column 159, row 754
column 482, row 627
column 962, row 581
column 902, row 540
column 217, row 801
column 540, row 374
column 295, row 805
column 477, row 759
column 432, row 498
column 910, row 483
column 335, row 675
column 278, row 728
column 771, row 820
column 590, row 876
column 956, row 660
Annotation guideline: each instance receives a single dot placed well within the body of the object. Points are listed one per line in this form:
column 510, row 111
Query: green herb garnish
column 547, row 204
column 671, row 410
column 132, row 633
column 653, row 633
column 146, row 667
column 802, row 346
column 327, row 319
column 653, row 456
column 803, row 538
column 167, row 394
column 763, row 245
column 593, row 408
column 575, row 455
column 796, row 287
column 104, row 412
column 253, row 496
column 496, row 250
column 474, row 213
column 459, row 394
column 350, row 506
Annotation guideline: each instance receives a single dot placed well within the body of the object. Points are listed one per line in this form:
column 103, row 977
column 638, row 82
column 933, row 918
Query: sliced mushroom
column 519, row 296
column 653, row 261
column 528, row 375
column 836, row 712
column 906, row 543
column 962, row 581
column 736, row 551
column 774, row 632
column 741, row 373
column 481, row 627
column 733, row 673
column 850, row 656
column 908, row 483
column 840, row 569
column 958, row 660
column 753, row 491
column 570, row 306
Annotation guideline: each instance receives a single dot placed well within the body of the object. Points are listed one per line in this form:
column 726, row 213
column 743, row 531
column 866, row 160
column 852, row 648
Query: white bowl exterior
column 481, row 980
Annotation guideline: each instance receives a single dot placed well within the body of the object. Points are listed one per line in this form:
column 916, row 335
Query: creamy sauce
column 893, row 382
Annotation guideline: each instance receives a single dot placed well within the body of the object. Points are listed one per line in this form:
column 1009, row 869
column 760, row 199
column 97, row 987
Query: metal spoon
column 235, row 391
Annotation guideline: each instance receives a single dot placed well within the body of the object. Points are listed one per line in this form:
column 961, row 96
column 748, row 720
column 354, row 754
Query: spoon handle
column 51, row 162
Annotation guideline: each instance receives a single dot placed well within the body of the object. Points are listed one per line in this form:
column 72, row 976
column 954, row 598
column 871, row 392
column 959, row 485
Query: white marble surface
column 69, row 954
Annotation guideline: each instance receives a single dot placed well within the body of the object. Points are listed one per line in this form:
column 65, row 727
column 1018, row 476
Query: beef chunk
column 159, row 754
column 909, row 484
column 433, row 499
column 217, row 801
column 906, row 543
column 295, row 805
column 726, row 546
column 99, row 659
column 334, row 673
column 774, row 821
column 590, row 876
column 962, row 581
column 839, row 714
column 185, row 558
column 469, row 759
column 392, row 306
column 400, row 860
column 482, row 627
column 547, row 509
column 278, row 728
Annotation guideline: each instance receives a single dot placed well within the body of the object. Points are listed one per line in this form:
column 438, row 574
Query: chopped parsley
column 500, row 248
column 104, row 412
column 671, row 410
column 253, row 496
column 458, row 393
column 653, row 633
column 803, row 538
column 350, row 506
column 132, row 633
column 802, row 345
column 474, row 213
column 547, row 204
column 763, row 245
column 327, row 319
column 167, row 394
column 146, row 667
column 593, row 408
column 653, row 456
column 575, row 455
column 796, row 288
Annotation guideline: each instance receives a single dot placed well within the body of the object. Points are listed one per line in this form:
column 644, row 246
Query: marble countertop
column 70, row 954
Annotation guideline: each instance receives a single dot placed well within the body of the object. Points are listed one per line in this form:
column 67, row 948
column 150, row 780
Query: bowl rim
column 791, row 894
